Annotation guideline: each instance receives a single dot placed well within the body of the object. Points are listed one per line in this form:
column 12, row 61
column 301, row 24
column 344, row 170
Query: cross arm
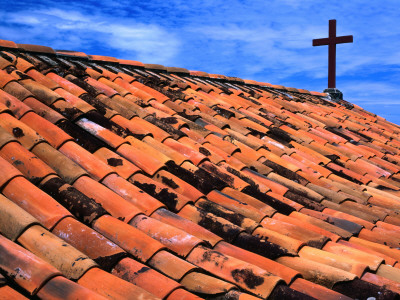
column 320, row 42
column 344, row 39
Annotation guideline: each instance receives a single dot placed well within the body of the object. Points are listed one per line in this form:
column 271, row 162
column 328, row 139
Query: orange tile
column 230, row 179
column 74, row 100
column 145, row 277
column 22, row 132
column 71, row 262
column 372, row 261
column 64, row 167
column 110, row 286
column 171, row 265
column 93, row 244
column 100, row 87
column 66, row 84
column 224, row 145
column 389, row 272
column 179, row 185
column 194, row 156
column 381, row 236
column 234, row 271
column 316, row 272
column 173, row 238
column 206, row 284
column 293, row 231
column 184, row 223
column 43, row 110
column 23, row 65
column 42, row 93
column 15, row 261
column 305, row 225
column 386, row 250
column 113, row 203
column 17, row 90
column 17, row 107
column 61, row 288
column 290, row 244
column 348, row 217
column 249, row 200
column 96, row 168
column 232, row 216
column 132, row 240
column 5, row 77
column 42, row 79
column 34, row 201
column 287, row 274
column 143, row 160
column 120, row 165
column 236, row 205
column 173, row 154
column 172, row 199
column 365, row 248
column 100, row 132
column 220, row 226
column 53, row 134
column 27, row 163
column 316, row 291
column 6, row 292
column 382, row 281
column 210, row 154
column 195, row 135
column 14, row 220
column 321, row 224
column 8, row 170
column 181, row 294
column 115, row 86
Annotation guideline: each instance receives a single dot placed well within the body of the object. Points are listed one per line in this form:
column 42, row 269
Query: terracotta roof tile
column 71, row 262
column 145, row 277
column 60, row 287
column 210, row 260
column 16, row 260
column 267, row 181
column 110, row 286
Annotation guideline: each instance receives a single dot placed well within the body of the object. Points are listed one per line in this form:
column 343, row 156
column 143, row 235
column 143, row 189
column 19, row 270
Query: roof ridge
column 39, row 49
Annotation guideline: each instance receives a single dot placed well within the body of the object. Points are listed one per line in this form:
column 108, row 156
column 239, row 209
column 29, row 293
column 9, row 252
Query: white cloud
column 72, row 29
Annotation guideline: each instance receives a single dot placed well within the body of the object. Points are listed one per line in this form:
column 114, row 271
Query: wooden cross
column 331, row 41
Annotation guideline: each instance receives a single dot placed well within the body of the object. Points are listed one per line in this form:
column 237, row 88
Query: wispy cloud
column 72, row 29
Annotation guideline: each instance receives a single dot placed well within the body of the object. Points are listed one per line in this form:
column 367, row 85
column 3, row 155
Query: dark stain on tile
column 18, row 132
column 262, row 247
column 284, row 172
column 220, row 211
column 83, row 207
column 114, row 162
column 303, row 200
column 168, row 198
column 200, row 179
column 82, row 137
column 275, row 203
column 204, row 151
column 360, row 289
column 169, row 182
column 247, row 276
column 225, row 230
column 108, row 262
column 175, row 133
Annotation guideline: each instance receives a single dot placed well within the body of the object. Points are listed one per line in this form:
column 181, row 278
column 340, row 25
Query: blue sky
column 267, row 41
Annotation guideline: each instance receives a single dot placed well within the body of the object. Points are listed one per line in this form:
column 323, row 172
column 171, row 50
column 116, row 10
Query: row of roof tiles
column 99, row 58
column 188, row 187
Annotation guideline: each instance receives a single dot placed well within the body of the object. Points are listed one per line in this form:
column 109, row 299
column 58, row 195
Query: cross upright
column 331, row 41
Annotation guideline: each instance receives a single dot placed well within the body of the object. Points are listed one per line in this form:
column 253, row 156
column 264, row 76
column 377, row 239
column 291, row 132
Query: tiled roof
column 126, row 180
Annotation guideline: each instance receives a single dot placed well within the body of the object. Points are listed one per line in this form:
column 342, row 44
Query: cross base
column 334, row 94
